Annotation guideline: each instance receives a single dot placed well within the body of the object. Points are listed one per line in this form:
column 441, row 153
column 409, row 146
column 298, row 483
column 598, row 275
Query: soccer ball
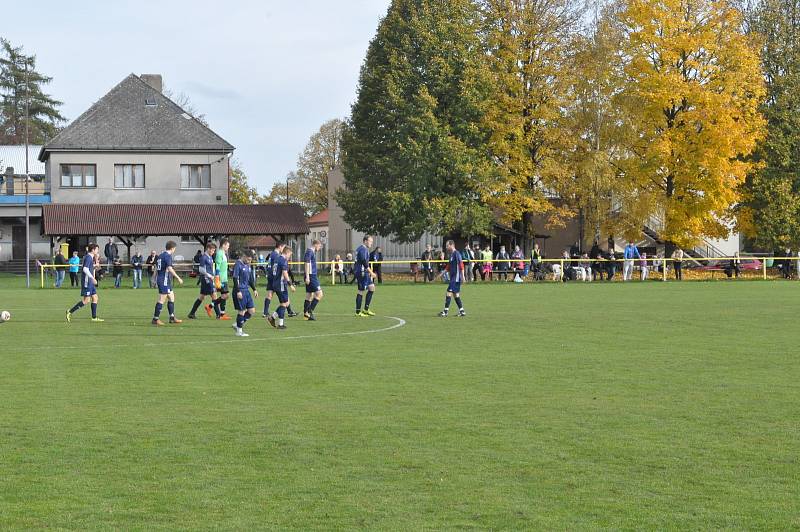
column 5, row 316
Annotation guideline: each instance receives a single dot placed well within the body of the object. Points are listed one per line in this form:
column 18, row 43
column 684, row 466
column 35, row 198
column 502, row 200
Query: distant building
column 12, row 202
column 135, row 146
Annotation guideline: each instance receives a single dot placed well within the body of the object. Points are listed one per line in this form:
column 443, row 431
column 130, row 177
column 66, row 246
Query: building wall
column 162, row 178
column 40, row 246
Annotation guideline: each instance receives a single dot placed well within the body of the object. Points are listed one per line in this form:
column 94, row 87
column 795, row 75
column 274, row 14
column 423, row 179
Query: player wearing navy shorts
column 244, row 280
column 456, row 268
column 313, row 289
column 88, row 283
column 205, row 269
column 365, row 279
column 281, row 284
column 271, row 260
column 164, row 275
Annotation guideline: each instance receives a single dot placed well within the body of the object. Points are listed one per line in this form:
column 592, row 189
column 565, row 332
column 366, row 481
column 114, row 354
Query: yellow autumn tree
column 528, row 48
column 690, row 97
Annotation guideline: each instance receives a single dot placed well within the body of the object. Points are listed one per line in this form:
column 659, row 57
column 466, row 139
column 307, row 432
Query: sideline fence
column 415, row 269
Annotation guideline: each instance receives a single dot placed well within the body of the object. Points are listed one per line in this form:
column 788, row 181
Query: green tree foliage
column 241, row 193
column 21, row 83
column 415, row 155
column 771, row 213
column 308, row 185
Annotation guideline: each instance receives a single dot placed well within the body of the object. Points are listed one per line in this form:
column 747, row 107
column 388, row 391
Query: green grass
column 639, row 406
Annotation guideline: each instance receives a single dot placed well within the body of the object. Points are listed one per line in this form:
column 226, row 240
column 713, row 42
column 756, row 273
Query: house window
column 188, row 239
column 78, row 176
column 195, row 176
column 128, row 176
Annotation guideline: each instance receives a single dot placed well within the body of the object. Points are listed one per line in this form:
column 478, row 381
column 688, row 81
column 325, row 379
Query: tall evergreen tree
column 770, row 214
column 414, row 149
column 20, row 83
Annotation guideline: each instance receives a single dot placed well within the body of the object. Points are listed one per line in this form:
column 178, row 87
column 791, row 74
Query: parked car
column 745, row 264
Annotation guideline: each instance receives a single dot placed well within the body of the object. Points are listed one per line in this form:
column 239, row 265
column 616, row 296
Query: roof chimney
column 154, row 80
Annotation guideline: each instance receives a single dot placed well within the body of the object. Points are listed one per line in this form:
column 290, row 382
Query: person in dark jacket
column 611, row 265
column 150, row 263
column 61, row 269
column 375, row 259
column 427, row 265
column 111, row 252
column 136, row 262
column 117, row 273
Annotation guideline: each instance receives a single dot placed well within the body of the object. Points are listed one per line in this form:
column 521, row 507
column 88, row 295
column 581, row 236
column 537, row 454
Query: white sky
column 265, row 73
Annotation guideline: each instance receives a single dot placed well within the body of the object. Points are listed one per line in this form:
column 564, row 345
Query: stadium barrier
column 651, row 263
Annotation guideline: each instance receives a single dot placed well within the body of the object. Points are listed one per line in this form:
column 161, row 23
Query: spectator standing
column 441, row 265
column 611, row 264
column 74, row 267
column 338, row 269
column 488, row 266
column 477, row 264
column 349, row 270
column 631, row 252
column 596, row 254
column 536, row 262
column 111, row 252
column 427, row 265
column 136, row 263
column 643, row 267
column 677, row 264
column 787, row 264
column 60, row 262
column 376, row 259
column 117, row 273
column 150, row 263
column 468, row 257
column 503, row 264
column 519, row 262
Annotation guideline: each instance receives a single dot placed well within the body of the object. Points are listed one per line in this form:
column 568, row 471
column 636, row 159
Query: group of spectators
column 344, row 269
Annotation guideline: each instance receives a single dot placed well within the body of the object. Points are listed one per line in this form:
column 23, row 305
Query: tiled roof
column 135, row 116
column 321, row 218
column 168, row 220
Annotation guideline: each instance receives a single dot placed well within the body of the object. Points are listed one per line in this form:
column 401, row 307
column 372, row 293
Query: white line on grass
column 399, row 323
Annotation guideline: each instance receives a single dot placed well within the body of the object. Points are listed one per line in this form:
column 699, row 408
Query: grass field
column 645, row 406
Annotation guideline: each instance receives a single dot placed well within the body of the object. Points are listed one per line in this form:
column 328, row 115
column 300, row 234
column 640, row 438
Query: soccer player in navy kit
column 271, row 260
column 164, row 274
column 456, row 269
column 205, row 269
column 244, row 280
column 88, row 284
column 313, row 290
column 364, row 278
column 281, row 284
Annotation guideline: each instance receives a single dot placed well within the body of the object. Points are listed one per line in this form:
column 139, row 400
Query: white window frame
column 132, row 176
column 187, row 168
column 83, row 184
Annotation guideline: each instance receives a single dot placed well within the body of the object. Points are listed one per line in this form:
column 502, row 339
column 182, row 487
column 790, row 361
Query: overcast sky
column 266, row 73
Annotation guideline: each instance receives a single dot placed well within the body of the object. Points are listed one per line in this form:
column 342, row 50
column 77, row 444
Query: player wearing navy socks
column 88, row 283
column 164, row 275
column 456, row 269
column 365, row 279
column 205, row 270
column 281, row 284
column 313, row 289
column 244, row 280
column 271, row 261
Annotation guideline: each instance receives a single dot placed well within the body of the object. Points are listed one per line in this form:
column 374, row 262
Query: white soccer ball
column 5, row 315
